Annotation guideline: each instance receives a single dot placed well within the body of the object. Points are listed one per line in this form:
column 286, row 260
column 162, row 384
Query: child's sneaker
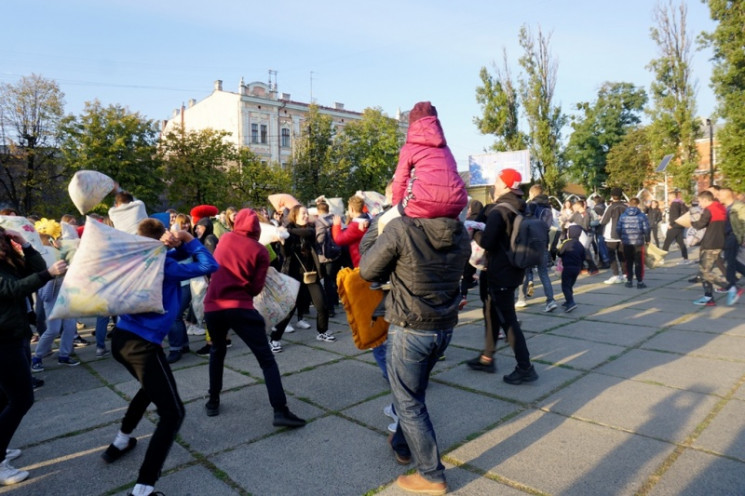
column 570, row 308
column 36, row 365
column 733, row 295
column 69, row 361
column 325, row 336
column 11, row 475
column 275, row 346
column 302, row 324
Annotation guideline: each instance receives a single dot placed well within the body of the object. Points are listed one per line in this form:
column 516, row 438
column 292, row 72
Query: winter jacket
column 632, row 227
column 16, row 285
column 655, row 216
column 300, row 246
column 351, row 237
column 152, row 326
column 426, row 179
column 540, row 208
column 495, row 239
column 677, row 208
column 572, row 254
column 712, row 218
column 609, row 221
column 243, row 266
column 736, row 217
column 424, row 259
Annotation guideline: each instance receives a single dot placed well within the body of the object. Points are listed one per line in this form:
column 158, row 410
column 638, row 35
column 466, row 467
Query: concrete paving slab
column 550, row 378
column 110, row 371
column 649, row 318
column 62, row 380
column 470, row 336
column 292, row 359
column 338, row 385
column 697, row 344
column 559, row 455
column 695, row 473
column 59, row 415
column 193, row 481
column 701, row 375
column 245, row 416
column 331, row 452
column 606, row 332
column 726, row 433
column 576, row 353
column 462, row 483
column 652, row 410
column 74, row 464
column 660, row 305
column 684, row 295
column 542, row 322
column 730, row 327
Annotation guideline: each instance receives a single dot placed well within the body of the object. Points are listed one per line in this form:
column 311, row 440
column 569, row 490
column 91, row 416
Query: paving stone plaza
column 640, row 392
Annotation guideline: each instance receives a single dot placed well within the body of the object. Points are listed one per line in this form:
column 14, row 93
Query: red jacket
column 243, row 265
column 425, row 161
column 351, row 237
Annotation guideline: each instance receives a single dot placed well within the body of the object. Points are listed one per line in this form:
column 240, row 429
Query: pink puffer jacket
column 426, row 178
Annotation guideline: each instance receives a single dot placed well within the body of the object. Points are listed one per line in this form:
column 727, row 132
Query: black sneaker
column 629, row 284
column 80, row 342
column 518, row 376
column 640, row 285
column 204, row 351
column 36, row 383
column 287, row 419
column 478, row 364
column 212, row 408
column 113, row 453
column 174, row 356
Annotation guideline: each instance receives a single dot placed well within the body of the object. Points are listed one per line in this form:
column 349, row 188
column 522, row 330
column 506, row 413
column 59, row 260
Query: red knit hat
column 201, row 211
column 511, row 178
column 422, row 109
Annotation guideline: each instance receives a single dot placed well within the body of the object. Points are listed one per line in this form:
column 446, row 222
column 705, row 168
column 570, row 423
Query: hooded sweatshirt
column 426, row 179
column 243, row 266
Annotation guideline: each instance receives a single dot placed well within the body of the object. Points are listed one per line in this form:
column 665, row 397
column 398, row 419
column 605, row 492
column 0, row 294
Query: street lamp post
column 711, row 152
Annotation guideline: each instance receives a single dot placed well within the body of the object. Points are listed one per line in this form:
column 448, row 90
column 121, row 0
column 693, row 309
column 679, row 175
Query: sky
column 152, row 56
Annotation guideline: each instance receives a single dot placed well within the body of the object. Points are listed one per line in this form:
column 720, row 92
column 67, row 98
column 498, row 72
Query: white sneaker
column 611, row 280
column 685, row 261
column 11, row 475
column 620, row 279
column 302, row 324
column 276, row 346
column 12, row 454
column 289, row 329
column 194, row 330
column 325, row 336
column 520, row 304
column 550, row 306
column 388, row 412
column 393, row 427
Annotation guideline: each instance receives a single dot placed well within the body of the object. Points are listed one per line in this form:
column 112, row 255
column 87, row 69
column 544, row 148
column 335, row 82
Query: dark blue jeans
column 177, row 337
column 249, row 326
column 411, row 356
column 568, row 278
column 731, row 247
column 16, row 392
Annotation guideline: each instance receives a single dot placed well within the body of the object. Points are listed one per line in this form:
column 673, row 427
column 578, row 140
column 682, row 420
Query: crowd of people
column 417, row 249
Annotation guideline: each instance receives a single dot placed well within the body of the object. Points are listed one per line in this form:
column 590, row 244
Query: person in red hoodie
column 229, row 305
column 426, row 183
column 356, row 228
column 713, row 218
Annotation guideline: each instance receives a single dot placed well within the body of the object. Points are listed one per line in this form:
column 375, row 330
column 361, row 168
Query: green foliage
column 674, row 128
column 365, row 154
column 628, row 162
column 313, row 152
column 728, row 80
column 601, row 126
column 115, row 142
column 500, row 105
column 30, row 172
column 251, row 181
column 545, row 120
column 194, row 165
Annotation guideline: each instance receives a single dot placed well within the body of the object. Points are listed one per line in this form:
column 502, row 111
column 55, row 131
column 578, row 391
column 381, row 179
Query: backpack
column 327, row 249
column 542, row 212
column 528, row 239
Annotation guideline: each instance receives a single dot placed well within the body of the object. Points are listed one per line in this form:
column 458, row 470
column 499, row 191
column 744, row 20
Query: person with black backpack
column 504, row 274
column 329, row 254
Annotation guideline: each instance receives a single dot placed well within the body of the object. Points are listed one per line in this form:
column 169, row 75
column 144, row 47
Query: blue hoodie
column 153, row 326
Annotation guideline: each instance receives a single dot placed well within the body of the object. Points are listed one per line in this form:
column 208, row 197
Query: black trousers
column 499, row 311
column 147, row 363
column 675, row 233
column 634, row 260
column 315, row 290
column 615, row 253
column 16, row 391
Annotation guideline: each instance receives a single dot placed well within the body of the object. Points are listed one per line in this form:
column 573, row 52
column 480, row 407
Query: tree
column 674, row 128
column 728, row 80
column 366, row 153
column 251, row 181
column 500, row 105
column 194, row 164
column 629, row 161
column 312, row 157
column 602, row 125
column 545, row 121
column 116, row 142
column 30, row 111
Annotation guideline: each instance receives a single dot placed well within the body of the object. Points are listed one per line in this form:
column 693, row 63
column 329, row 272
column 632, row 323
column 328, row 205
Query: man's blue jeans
column 411, row 355
column 548, row 290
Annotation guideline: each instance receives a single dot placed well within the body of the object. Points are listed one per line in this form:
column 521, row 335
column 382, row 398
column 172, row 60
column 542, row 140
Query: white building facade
column 257, row 116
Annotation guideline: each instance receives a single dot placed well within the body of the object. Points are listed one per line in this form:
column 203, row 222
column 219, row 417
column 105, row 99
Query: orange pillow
column 360, row 302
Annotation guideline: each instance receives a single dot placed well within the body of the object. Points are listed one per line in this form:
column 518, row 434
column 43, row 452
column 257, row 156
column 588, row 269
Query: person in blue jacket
column 136, row 344
column 632, row 229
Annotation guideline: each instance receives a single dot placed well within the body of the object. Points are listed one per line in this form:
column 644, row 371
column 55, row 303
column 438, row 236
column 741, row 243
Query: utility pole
column 711, row 151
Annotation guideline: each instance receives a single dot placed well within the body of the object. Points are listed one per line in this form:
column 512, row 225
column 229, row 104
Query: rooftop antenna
column 272, row 81
column 311, row 86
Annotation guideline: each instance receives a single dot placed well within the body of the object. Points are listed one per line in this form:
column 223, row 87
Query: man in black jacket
column 424, row 260
column 502, row 279
column 675, row 230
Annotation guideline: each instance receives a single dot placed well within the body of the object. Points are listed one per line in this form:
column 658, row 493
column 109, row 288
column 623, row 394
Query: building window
column 263, row 134
column 285, row 137
column 254, row 133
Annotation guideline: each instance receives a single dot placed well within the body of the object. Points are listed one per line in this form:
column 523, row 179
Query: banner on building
column 484, row 167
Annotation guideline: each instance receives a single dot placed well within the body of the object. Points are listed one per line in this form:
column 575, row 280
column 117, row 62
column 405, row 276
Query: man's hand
column 173, row 239
column 58, row 268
